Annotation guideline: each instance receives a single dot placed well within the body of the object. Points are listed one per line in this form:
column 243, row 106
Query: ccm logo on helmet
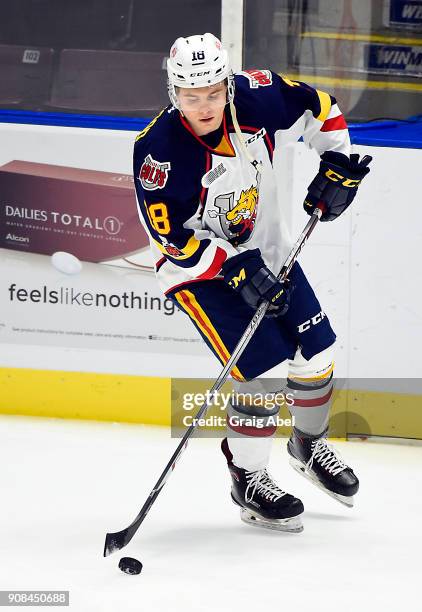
column 198, row 74
column 313, row 321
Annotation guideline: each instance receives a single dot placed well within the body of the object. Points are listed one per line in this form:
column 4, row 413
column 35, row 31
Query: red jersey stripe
column 336, row 123
column 219, row 258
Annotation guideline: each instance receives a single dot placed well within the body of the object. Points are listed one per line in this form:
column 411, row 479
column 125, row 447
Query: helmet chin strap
column 255, row 163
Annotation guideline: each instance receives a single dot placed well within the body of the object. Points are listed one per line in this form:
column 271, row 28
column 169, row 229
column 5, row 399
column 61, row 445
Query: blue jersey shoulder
column 157, row 136
column 273, row 100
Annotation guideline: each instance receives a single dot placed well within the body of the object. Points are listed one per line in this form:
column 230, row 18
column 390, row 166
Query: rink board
column 147, row 400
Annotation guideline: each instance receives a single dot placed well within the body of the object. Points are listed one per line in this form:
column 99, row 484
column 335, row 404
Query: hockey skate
column 317, row 460
column 262, row 503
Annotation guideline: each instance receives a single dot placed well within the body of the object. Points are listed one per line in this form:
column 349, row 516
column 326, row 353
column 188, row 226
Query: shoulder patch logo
column 213, row 175
column 154, row 174
column 258, row 78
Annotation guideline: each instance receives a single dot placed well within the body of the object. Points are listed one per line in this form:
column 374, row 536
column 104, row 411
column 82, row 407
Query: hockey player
column 211, row 196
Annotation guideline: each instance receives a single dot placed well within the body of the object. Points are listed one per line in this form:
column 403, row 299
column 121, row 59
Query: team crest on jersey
column 154, row 174
column 258, row 78
column 237, row 218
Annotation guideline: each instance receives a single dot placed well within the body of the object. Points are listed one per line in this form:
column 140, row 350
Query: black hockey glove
column 247, row 274
column 336, row 183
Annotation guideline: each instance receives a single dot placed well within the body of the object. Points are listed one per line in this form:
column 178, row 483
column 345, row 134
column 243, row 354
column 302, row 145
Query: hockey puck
column 129, row 565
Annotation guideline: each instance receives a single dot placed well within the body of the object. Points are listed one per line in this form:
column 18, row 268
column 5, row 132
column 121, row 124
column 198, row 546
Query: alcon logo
column 14, row 238
column 110, row 225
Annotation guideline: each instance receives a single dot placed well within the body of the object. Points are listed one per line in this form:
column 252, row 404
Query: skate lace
column 261, row 482
column 326, row 456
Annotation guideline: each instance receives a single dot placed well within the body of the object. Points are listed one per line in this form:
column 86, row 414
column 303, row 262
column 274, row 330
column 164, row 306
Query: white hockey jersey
column 201, row 204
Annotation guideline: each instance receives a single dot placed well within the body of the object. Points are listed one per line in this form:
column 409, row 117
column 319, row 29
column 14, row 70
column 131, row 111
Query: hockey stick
column 116, row 541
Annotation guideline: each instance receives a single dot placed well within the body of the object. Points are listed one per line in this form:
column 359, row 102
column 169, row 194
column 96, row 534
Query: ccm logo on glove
column 234, row 283
column 248, row 275
column 336, row 183
column 336, row 177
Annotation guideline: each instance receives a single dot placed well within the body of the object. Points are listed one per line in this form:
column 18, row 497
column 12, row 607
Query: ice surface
column 64, row 484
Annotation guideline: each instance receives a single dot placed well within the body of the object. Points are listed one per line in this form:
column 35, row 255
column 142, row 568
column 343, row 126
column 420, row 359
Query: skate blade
column 299, row 467
column 292, row 525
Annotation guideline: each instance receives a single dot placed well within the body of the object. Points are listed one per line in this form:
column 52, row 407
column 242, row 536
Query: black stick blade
column 117, row 541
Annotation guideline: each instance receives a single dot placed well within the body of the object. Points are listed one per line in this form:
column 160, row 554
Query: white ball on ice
column 66, row 262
